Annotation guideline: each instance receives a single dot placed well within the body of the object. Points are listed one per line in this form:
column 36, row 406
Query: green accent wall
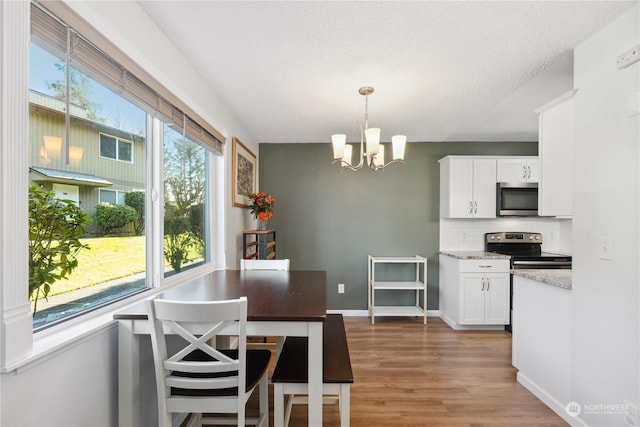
column 328, row 219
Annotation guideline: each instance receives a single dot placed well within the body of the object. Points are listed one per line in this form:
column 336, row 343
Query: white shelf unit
column 418, row 284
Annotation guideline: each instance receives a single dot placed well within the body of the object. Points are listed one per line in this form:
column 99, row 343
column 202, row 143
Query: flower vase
column 262, row 240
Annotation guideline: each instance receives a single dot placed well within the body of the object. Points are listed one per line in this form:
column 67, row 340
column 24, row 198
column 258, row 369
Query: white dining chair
column 265, row 264
column 198, row 378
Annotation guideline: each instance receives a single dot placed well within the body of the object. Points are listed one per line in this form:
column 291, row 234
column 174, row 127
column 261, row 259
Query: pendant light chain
column 366, row 111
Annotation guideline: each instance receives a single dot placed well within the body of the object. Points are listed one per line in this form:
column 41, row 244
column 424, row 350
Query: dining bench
column 290, row 375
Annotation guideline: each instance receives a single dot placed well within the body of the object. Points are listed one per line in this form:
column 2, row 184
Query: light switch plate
column 633, row 101
column 605, row 250
column 627, row 58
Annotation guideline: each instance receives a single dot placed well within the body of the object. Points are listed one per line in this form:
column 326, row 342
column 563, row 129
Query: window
column 111, row 259
column 114, row 197
column 110, row 114
column 185, row 202
column 112, row 147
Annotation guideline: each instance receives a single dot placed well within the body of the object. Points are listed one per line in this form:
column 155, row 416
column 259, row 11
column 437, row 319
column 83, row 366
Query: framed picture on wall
column 243, row 165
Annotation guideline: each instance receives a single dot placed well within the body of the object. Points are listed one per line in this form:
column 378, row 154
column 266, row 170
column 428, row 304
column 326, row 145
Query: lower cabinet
column 541, row 344
column 484, row 298
column 474, row 293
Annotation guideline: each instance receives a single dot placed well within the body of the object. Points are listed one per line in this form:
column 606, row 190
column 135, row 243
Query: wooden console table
column 259, row 244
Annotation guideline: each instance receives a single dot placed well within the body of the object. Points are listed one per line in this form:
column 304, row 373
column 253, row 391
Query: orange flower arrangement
column 262, row 205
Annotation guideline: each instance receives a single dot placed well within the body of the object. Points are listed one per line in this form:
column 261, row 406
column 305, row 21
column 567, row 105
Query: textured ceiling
column 442, row 70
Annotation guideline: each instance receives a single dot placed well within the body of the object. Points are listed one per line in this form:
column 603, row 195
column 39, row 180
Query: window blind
column 51, row 33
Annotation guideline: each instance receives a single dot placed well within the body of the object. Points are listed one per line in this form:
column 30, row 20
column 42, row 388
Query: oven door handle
column 546, row 263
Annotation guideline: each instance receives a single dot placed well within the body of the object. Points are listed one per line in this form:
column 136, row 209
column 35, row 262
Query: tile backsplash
column 468, row 234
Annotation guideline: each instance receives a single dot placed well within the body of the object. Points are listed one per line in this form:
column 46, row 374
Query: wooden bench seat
column 290, row 375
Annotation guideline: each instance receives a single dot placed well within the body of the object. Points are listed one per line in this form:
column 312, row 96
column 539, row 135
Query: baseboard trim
column 365, row 313
column 454, row 325
column 546, row 398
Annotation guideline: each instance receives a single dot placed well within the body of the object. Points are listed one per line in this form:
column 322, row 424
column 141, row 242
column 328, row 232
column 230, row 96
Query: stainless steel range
column 525, row 250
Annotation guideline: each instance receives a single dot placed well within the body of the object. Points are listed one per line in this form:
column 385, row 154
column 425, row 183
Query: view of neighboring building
column 102, row 162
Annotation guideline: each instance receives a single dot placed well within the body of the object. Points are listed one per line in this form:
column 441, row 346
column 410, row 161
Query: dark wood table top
column 272, row 295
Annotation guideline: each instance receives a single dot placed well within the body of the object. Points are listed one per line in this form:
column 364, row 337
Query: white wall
column 77, row 384
column 606, row 297
column 76, row 387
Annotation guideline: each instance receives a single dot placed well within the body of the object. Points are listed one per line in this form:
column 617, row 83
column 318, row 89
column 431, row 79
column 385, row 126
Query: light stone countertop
column 474, row 255
column 560, row 278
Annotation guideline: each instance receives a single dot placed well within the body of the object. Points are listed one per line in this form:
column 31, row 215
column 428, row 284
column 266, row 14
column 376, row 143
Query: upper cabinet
column 519, row 170
column 556, row 136
column 467, row 187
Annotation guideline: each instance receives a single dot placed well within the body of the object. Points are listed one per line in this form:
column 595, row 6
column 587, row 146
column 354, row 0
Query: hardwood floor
column 408, row 374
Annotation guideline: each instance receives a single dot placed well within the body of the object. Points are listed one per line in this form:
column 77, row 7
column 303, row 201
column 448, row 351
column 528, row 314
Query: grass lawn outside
column 112, row 268
column 108, row 258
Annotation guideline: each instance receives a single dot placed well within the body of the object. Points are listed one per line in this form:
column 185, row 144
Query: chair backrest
column 196, row 366
column 264, row 264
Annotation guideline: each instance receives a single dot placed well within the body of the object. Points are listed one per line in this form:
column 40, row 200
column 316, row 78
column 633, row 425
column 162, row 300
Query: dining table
column 280, row 303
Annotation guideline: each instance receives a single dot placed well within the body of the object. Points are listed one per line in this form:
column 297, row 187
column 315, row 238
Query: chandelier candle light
column 372, row 151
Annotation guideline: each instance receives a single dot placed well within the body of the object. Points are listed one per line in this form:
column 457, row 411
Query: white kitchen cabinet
column 525, row 169
column 467, row 187
column 474, row 293
column 484, row 298
column 555, row 148
column 418, row 283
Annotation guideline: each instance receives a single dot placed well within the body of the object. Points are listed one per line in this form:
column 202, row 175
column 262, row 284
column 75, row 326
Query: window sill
column 53, row 341
column 60, row 338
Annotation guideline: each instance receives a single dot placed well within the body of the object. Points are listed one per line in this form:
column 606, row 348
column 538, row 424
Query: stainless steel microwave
column 517, row 199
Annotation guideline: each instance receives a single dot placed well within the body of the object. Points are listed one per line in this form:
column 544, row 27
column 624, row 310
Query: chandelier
column 371, row 151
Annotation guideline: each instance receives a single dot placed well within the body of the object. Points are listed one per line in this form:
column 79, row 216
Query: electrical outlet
column 341, row 288
column 631, row 416
column 465, row 236
column 605, row 250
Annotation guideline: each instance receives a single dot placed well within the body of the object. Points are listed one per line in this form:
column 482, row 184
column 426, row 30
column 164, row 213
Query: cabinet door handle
column 529, row 169
column 488, row 281
column 482, row 284
column 470, row 206
column 475, row 211
column 524, row 172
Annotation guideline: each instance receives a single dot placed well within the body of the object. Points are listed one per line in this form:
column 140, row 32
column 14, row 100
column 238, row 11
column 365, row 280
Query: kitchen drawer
column 483, row 265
